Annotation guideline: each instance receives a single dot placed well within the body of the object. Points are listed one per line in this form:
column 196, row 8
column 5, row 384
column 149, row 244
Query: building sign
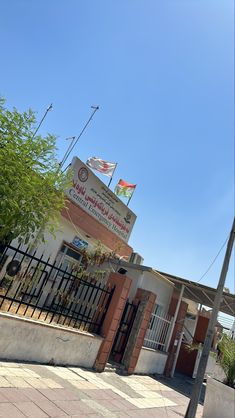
column 96, row 199
column 79, row 243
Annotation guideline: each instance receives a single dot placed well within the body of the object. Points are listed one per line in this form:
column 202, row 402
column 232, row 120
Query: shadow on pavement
column 181, row 383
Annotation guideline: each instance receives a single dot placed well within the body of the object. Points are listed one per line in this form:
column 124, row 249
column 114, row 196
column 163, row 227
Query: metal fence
column 158, row 331
column 32, row 287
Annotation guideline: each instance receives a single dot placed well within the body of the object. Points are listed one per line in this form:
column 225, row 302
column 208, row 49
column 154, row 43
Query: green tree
column 227, row 359
column 31, row 181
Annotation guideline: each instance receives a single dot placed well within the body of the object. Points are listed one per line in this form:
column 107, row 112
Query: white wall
column 151, row 361
column 219, row 400
column 190, row 325
column 28, row 340
column 65, row 232
column 192, row 306
column 149, row 280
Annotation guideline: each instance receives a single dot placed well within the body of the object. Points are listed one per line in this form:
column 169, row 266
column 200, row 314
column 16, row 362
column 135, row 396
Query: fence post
column 175, row 317
column 112, row 318
column 139, row 328
column 175, row 337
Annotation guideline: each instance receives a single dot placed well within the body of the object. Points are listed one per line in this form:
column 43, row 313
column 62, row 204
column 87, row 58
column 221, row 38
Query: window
column 68, row 257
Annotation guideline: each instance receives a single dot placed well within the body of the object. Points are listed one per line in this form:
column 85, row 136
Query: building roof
column 202, row 294
column 194, row 291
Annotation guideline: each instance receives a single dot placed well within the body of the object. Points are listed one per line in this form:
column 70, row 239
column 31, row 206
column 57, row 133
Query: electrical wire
column 217, row 255
column 204, row 274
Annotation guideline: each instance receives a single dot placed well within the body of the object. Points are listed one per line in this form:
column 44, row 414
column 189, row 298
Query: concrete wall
column 28, row 340
column 219, row 400
column 151, row 361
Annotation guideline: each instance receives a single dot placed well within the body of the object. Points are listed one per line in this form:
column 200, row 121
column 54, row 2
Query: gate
column 124, row 330
column 33, row 287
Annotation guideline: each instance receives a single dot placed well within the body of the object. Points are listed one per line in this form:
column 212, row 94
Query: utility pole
column 192, row 406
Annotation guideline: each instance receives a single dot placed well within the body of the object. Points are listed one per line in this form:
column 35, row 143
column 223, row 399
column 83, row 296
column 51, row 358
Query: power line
column 217, row 255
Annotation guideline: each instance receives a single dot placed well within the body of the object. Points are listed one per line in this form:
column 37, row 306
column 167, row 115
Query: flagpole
column 68, row 149
column 111, row 178
column 95, row 108
column 48, row 109
column 131, row 196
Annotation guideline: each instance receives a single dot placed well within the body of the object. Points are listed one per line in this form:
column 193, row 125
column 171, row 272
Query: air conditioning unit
column 136, row 258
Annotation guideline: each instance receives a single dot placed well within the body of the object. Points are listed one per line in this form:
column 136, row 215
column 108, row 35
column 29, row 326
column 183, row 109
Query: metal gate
column 124, row 330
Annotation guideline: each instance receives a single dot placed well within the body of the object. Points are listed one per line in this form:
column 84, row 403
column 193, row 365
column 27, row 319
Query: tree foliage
column 227, row 359
column 31, row 181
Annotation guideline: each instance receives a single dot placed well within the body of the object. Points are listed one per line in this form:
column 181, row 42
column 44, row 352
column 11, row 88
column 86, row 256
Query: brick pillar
column 146, row 301
column 201, row 329
column 112, row 318
column 176, row 333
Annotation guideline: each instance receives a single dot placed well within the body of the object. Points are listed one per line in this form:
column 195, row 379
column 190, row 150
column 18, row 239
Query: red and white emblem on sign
column 83, row 174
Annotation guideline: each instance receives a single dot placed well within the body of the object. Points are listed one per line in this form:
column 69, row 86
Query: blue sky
column 162, row 74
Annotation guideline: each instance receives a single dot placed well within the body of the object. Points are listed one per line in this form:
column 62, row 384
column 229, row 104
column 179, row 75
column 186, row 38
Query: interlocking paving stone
column 150, row 413
column 30, row 410
column 122, row 394
column 121, row 385
column 3, row 398
column 83, row 385
column 150, row 402
column 102, row 394
column 35, row 383
column 66, row 373
column 18, row 382
column 50, row 408
column 69, row 392
column 31, row 373
column 33, row 395
column 60, row 394
column 102, row 410
column 19, row 372
column 51, row 383
column 3, row 371
column 8, row 410
column 73, row 407
column 176, row 397
column 14, row 395
column 116, row 404
column 4, row 383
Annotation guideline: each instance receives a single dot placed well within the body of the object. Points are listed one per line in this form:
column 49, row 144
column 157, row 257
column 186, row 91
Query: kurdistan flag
column 124, row 189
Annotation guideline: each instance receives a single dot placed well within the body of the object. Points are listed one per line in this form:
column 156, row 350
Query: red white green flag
column 124, row 189
column 102, row 166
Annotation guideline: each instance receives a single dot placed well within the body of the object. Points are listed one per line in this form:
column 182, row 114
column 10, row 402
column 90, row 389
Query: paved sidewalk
column 29, row 390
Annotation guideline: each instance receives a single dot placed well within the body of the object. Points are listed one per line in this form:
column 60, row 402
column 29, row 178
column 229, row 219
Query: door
column 124, row 330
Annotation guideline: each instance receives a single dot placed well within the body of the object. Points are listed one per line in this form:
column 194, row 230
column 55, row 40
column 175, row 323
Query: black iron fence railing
column 33, row 287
